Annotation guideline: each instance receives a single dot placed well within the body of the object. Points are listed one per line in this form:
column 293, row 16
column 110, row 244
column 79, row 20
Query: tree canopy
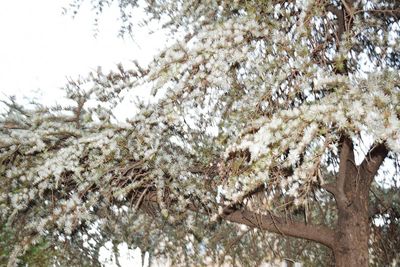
column 272, row 132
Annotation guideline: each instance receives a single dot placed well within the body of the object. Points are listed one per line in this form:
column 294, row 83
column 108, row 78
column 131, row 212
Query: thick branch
column 270, row 223
column 372, row 162
column 346, row 169
column 317, row 233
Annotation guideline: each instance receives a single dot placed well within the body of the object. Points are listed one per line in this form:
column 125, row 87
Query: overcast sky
column 40, row 48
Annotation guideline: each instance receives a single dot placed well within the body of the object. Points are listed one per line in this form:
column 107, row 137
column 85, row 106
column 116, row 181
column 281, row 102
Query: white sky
column 40, row 48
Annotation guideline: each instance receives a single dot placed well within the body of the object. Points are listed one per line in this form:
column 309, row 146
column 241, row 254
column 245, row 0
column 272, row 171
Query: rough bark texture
column 351, row 238
column 352, row 198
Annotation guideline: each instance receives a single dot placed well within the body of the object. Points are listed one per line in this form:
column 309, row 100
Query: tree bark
column 351, row 192
column 351, row 237
column 318, row 233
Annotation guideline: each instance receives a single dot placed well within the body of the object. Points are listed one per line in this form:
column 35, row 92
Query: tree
column 274, row 133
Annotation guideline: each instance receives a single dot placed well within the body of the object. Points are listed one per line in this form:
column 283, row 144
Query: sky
column 40, row 48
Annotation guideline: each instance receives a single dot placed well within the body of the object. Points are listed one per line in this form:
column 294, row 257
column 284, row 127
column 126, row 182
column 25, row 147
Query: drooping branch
column 331, row 188
column 383, row 201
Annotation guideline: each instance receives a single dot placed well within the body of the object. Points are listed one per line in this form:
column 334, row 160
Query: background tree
column 270, row 124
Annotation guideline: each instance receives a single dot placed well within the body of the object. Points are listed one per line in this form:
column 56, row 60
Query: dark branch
column 317, row 233
column 346, row 170
column 270, row 223
column 331, row 188
column 372, row 162
column 341, row 24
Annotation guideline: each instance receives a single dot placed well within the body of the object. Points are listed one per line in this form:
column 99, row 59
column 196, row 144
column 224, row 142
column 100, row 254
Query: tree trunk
column 351, row 241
